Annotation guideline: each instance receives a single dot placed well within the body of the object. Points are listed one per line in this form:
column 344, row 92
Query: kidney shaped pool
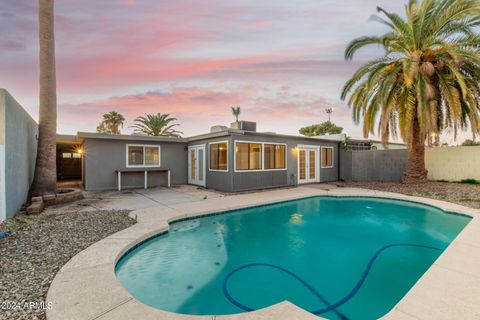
column 339, row 258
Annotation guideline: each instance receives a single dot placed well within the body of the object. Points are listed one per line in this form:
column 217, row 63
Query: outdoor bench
column 145, row 171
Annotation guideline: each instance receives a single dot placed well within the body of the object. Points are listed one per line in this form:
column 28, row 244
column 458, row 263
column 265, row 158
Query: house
column 226, row 159
column 377, row 145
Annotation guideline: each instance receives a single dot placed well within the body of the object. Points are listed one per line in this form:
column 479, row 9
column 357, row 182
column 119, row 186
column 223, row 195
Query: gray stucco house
column 226, row 159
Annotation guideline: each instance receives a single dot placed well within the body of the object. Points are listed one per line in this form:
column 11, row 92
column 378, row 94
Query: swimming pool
column 336, row 257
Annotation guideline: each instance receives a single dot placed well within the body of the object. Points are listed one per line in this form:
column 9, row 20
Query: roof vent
column 218, row 129
column 244, row 125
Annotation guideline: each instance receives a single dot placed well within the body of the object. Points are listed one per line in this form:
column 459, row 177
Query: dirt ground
column 464, row 194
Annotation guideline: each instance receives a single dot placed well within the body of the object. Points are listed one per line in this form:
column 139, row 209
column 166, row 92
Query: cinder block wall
column 453, row 163
column 373, row 165
column 18, row 151
column 450, row 163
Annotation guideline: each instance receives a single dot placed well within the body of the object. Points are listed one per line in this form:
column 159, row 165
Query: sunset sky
column 281, row 61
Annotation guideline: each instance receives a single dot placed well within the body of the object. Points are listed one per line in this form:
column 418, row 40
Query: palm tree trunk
column 416, row 171
column 45, row 179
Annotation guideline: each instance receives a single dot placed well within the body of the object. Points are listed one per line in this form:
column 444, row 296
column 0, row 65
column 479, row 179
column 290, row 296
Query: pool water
column 339, row 258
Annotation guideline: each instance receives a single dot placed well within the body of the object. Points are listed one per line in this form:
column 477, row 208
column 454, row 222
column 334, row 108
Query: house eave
column 91, row 135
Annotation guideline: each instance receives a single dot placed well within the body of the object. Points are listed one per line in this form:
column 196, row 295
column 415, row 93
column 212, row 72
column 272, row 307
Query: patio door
column 307, row 165
column 196, row 165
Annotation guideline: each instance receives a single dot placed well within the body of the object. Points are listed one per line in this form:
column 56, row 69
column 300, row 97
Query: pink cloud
column 198, row 108
column 260, row 24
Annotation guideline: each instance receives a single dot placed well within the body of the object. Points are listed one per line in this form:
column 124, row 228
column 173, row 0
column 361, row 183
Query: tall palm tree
column 45, row 178
column 236, row 112
column 111, row 123
column 156, row 125
column 427, row 79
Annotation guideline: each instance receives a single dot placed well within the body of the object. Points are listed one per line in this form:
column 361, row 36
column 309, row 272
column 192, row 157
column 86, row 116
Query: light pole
column 329, row 112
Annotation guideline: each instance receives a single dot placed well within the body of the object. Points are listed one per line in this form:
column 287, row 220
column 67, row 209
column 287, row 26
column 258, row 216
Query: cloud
column 283, row 109
column 12, row 45
column 282, row 61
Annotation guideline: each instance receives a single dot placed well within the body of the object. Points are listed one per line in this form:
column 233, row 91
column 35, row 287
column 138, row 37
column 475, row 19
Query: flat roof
column 217, row 134
column 288, row 136
column 229, row 132
column 94, row 135
column 396, row 143
column 67, row 138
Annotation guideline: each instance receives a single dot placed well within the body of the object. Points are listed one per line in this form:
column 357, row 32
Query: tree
column 236, row 112
column 321, row 129
column 470, row 143
column 111, row 123
column 45, row 177
column 427, row 79
column 156, row 125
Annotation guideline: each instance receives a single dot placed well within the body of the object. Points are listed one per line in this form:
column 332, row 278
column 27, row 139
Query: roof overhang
column 92, row 135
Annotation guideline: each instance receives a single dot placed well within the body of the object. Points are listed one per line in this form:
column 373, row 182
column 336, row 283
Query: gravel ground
column 464, row 194
column 39, row 246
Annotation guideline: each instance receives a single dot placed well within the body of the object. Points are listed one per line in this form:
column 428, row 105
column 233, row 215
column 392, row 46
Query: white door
column 307, row 165
column 196, row 165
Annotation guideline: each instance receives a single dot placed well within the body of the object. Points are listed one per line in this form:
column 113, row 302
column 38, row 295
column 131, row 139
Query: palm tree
column 427, row 79
column 156, row 125
column 111, row 123
column 45, row 178
column 236, row 112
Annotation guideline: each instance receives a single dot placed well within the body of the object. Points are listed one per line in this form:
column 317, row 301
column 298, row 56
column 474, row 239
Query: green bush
column 470, row 181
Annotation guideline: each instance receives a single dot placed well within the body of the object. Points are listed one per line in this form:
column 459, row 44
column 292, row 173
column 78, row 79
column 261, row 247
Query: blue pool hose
column 4, row 234
column 330, row 307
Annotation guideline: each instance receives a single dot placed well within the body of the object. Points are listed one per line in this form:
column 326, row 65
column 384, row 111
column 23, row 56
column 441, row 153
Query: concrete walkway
column 137, row 199
column 87, row 288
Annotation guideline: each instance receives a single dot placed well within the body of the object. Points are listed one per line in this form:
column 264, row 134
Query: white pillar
column 119, row 180
column 146, row 177
column 168, row 178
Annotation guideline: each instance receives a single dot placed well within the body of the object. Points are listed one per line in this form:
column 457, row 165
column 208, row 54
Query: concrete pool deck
column 87, row 288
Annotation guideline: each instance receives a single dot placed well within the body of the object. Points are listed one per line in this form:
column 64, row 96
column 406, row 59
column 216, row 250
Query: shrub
column 470, row 181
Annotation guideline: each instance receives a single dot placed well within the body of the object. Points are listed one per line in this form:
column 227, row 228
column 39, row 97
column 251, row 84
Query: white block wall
column 453, row 163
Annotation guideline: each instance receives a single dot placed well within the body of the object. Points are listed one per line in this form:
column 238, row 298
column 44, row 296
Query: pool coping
column 86, row 287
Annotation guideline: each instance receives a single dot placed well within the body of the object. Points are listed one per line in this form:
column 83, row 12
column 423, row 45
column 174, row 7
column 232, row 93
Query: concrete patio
column 86, row 287
column 138, row 199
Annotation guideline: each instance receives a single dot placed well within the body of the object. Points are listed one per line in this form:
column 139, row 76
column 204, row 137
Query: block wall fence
column 453, row 163
column 443, row 163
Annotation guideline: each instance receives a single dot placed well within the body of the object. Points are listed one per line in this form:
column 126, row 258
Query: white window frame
column 189, row 170
column 228, row 156
column 262, row 143
column 321, row 157
column 143, row 165
column 318, row 151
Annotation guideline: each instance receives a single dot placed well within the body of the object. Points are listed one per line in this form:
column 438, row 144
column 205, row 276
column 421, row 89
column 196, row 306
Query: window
column 66, row 155
column 275, row 156
column 76, row 155
column 248, row 156
column 219, row 156
column 143, row 156
column 151, row 156
column 327, row 157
